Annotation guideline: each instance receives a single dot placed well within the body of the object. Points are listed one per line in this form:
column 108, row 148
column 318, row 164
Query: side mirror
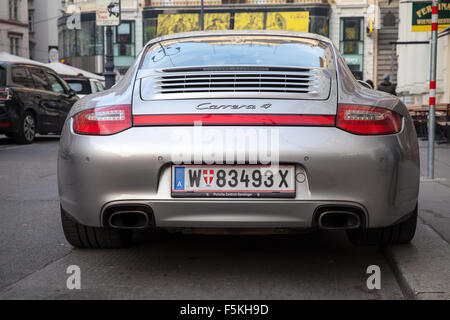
column 365, row 84
column 72, row 93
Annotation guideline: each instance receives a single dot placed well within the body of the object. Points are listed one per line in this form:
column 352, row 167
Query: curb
column 422, row 268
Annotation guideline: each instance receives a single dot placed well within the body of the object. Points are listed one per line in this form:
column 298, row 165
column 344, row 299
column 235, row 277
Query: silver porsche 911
column 238, row 132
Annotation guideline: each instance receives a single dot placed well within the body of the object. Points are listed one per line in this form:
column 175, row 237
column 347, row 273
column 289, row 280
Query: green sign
column 421, row 15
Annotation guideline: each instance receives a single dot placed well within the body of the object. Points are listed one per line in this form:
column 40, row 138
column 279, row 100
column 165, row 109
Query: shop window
column 124, row 44
column 319, row 25
column 351, row 44
column 88, row 41
column 125, row 39
column 150, row 28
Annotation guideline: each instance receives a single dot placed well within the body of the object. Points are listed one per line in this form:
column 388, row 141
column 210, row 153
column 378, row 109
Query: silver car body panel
column 378, row 174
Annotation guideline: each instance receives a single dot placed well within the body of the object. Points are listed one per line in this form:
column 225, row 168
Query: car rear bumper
column 8, row 119
column 378, row 175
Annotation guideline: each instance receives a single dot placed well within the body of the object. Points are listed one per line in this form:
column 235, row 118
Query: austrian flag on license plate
column 233, row 181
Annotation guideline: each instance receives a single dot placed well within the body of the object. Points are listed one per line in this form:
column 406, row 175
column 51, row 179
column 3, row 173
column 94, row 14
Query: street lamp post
column 110, row 76
column 432, row 102
column 108, row 14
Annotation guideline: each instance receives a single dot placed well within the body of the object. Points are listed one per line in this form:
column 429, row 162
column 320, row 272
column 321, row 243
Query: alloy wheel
column 29, row 128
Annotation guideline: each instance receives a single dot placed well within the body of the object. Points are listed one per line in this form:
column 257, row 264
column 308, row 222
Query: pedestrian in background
column 387, row 86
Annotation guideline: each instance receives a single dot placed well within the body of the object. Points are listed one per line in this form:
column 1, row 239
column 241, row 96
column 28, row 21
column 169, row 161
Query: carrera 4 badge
column 210, row 106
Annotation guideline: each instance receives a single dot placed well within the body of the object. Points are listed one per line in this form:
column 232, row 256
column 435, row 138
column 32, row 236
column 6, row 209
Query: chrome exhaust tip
column 339, row 220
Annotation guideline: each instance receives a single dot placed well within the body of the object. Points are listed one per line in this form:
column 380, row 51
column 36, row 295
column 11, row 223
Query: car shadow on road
column 5, row 141
column 163, row 266
column 318, row 242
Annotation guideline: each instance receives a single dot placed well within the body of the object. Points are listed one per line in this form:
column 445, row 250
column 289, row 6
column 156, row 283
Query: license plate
column 232, row 181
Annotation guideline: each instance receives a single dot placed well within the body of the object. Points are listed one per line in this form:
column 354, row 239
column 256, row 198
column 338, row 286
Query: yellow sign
column 175, row 23
column 421, row 16
column 290, row 21
column 249, row 21
column 217, row 21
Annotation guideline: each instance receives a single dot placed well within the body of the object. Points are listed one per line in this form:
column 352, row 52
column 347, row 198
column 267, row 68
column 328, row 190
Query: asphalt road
column 34, row 255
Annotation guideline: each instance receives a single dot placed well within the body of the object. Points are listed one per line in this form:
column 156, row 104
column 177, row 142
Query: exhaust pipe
column 339, row 220
column 129, row 219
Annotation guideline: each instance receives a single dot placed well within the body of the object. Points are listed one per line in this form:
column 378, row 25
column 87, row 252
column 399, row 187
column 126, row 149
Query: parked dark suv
column 33, row 99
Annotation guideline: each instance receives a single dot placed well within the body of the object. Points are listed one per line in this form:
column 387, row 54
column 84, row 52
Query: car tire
column 27, row 129
column 81, row 236
column 400, row 233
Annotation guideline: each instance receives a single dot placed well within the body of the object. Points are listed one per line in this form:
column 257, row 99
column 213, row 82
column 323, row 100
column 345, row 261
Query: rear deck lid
column 226, row 74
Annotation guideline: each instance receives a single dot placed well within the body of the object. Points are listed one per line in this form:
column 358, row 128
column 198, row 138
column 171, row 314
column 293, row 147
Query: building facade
column 386, row 61
column 82, row 43
column 351, row 25
column 43, row 21
column 14, row 27
column 414, row 57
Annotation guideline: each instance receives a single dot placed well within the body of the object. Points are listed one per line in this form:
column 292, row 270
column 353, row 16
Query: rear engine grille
column 304, row 82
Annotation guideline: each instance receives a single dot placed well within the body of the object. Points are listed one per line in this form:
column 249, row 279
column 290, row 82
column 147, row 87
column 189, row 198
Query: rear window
column 239, row 50
column 79, row 86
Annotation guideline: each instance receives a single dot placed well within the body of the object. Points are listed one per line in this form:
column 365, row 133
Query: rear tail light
column 103, row 120
column 366, row 120
column 5, row 94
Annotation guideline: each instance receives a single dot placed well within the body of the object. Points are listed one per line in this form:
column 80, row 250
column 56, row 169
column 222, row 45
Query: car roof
column 194, row 34
column 24, row 64
column 76, row 78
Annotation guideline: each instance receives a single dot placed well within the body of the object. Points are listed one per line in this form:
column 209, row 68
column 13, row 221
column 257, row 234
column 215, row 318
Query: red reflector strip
column 432, row 84
column 434, row 10
column 234, row 119
column 4, row 124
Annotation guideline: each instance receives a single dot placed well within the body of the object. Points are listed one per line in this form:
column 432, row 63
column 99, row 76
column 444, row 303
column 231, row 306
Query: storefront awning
column 64, row 69
column 5, row 56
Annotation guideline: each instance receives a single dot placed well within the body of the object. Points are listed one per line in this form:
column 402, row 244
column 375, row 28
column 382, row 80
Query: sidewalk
column 423, row 268
column 434, row 202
